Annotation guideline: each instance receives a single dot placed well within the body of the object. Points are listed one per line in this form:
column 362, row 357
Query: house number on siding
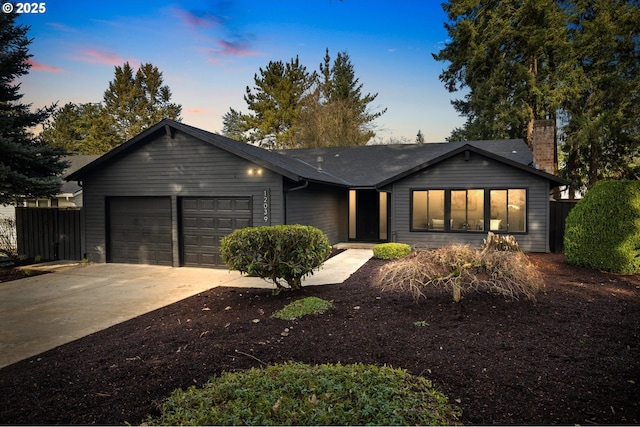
column 266, row 203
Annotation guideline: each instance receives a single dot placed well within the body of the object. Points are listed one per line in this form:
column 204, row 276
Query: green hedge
column 603, row 229
column 287, row 252
column 391, row 250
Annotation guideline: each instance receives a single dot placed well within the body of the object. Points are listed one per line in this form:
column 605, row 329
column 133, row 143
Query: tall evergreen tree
column 135, row 102
column 602, row 134
column 29, row 167
column 80, row 129
column 573, row 60
column 132, row 103
column 338, row 114
column 293, row 108
column 275, row 102
column 233, row 125
column 512, row 56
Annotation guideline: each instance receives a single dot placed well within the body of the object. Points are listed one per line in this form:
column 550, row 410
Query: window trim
column 486, row 210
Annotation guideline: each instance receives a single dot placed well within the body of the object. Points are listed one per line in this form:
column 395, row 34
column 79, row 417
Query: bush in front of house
column 603, row 230
column 391, row 250
column 300, row 394
column 279, row 252
column 461, row 269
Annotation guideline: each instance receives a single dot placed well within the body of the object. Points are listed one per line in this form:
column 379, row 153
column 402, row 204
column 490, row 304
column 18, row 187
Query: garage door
column 204, row 221
column 140, row 230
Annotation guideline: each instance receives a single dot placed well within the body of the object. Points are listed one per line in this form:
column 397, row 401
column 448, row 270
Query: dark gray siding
column 476, row 172
column 177, row 167
column 323, row 207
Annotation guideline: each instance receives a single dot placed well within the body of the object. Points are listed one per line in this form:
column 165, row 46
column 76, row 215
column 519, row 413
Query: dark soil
column 572, row 357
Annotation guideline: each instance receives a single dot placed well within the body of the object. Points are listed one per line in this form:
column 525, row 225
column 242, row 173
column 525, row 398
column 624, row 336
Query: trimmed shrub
column 287, row 252
column 299, row 394
column 603, row 230
column 391, row 250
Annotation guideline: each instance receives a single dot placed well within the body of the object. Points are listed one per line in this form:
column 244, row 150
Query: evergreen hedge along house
column 168, row 195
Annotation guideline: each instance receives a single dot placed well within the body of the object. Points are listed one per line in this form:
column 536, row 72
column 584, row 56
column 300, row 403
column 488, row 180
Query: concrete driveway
column 42, row 312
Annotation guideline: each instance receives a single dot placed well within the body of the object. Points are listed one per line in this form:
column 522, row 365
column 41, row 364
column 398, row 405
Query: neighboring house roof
column 362, row 166
column 75, row 162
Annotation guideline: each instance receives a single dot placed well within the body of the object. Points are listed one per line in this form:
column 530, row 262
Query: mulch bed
column 572, row 357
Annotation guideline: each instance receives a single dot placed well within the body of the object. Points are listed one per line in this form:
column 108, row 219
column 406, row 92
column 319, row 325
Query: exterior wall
column 477, row 172
column 321, row 206
column 176, row 167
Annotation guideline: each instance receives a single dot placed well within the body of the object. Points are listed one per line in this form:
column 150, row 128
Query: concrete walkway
column 42, row 312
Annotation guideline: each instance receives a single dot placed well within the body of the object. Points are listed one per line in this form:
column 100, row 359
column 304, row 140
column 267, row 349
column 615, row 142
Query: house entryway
column 368, row 215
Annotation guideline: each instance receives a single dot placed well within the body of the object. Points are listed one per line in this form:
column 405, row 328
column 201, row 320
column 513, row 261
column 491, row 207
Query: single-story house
column 168, row 195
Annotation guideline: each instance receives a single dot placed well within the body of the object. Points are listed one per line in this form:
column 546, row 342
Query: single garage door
column 140, row 230
column 204, row 221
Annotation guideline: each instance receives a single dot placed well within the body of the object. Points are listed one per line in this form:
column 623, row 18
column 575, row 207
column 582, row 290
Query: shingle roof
column 363, row 166
column 371, row 165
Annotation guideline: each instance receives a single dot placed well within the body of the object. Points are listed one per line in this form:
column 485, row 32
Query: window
column 428, row 210
column 508, row 210
column 467, row 210
column 475, row 209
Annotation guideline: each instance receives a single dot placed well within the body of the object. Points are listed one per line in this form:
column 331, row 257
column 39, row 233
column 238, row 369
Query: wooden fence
column 559, row 211
column 51, row 233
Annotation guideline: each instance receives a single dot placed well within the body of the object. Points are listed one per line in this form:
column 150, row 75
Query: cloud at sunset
column 37, row 66
column 197, row 111
column 235, row 49
column 197, row 19
column 95, row 56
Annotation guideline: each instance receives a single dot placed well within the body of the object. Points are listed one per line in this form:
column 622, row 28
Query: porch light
column 254, row 171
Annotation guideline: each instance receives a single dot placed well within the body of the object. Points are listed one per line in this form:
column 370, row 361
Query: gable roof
column 360, row 167
column 276, row 162
column 379, row 165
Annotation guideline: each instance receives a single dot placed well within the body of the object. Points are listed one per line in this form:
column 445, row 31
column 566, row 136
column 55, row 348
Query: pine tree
column 338, row 114
column 275, row 101
column 134, row 103
column 29, row 167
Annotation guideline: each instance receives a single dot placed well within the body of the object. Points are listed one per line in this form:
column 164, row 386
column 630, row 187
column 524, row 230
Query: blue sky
column 209, row 52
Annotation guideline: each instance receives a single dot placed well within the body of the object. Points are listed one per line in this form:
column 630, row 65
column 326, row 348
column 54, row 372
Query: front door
column 367, row 215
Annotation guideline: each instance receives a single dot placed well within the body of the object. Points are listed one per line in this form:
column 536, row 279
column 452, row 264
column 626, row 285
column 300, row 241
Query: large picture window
column 472, row 210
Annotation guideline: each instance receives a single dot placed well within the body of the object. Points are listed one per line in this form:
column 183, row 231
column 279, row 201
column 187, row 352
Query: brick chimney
column 545, row 154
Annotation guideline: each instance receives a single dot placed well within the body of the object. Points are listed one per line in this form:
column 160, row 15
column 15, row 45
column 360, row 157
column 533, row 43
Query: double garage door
column 140, row 229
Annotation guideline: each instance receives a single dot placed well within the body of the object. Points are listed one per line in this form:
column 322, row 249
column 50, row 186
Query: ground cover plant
column 299, row 394
column 303, row 307
column 571, row 357
column 603, row 229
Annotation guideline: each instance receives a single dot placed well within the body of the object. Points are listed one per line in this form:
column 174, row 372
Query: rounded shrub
column 287, row 252
column 391, row 250
column 603, row 230
column 299, row 394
